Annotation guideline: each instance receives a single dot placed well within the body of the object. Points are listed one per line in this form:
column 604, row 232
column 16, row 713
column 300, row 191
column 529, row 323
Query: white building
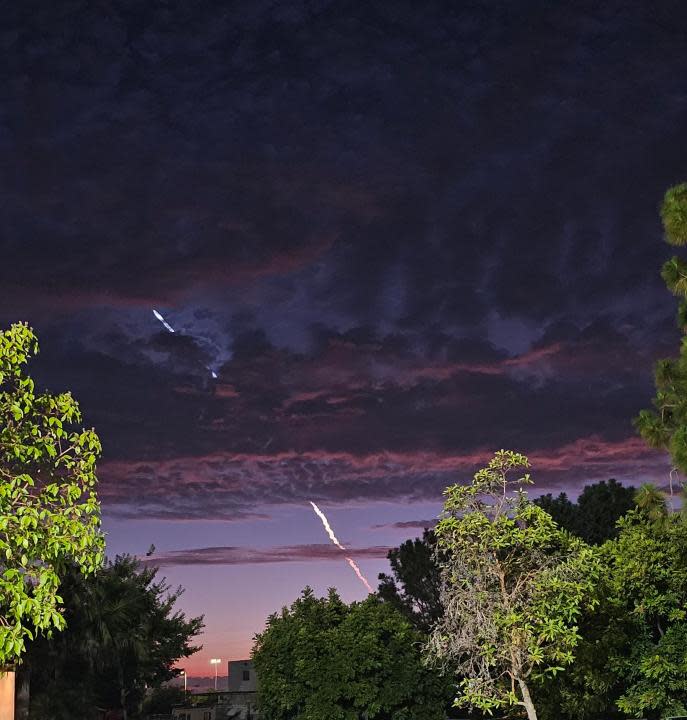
column 238, row 702
column 241, row 676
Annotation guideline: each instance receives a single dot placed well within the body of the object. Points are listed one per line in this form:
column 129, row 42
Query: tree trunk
column 122, row 696
column 122, row 693
column 527, row 700
column 21, row 710
column 6, row 695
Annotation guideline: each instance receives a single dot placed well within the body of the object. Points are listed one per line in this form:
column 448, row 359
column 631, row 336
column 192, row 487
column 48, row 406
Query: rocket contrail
column 168, row 327
column 333, row 538
column 163, row 321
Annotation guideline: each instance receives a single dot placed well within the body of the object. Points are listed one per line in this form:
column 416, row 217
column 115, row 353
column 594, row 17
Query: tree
column 589, row 688
column 415, row 586
column 665, row 426
column 162, row 700
column 321, row 658
column 514, row 586
column 595, row 514
column 651, row 502
column 648, row 582
column 123, row 635
column 631, row 658
column 49, row 513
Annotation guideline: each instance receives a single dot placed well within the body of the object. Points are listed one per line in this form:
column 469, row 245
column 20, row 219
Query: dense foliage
column 595, row 514
column 632, row 660
column 49, row 513
column 514, row 585
column 123, row 635
column 415, row 584
column 665, row 426
column 648, row 581
column 321, row 658
column 644, row 553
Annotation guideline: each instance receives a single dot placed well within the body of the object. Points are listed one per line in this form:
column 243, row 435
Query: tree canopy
column 49, row 512
column 595, row 514
column 514, row 585
column 321, row 658
column 631, row 660
column 648, row 581
column 415, row 584
column 123, row 635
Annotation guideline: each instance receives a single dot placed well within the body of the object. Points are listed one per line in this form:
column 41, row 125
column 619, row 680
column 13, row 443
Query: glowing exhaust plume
column 168, row 327
column 333, row 538
column 163, row 321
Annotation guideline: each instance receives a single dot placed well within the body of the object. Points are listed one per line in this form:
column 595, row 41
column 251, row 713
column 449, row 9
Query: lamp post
column 215, row 662
column 183, row 672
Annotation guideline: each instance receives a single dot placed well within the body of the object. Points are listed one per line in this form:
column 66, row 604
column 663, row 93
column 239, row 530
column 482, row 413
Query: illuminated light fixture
column 215, row 662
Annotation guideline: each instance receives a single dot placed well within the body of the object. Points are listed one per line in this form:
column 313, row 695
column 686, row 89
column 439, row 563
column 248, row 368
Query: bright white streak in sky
column 171, row 329
column 333, row 538
column 163, row 321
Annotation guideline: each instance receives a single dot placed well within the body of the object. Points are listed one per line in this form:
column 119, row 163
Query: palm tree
column 651, row 502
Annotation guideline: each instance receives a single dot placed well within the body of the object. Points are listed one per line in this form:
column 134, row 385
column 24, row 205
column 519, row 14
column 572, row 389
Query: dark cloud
column 402, row 238
column 361, row 417
column 439, row 164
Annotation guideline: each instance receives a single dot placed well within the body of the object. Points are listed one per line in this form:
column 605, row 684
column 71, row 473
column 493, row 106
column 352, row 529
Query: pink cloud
column 232, row 485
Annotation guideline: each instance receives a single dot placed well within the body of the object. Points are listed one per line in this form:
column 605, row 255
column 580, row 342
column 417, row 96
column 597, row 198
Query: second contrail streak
column 169, row 328
column 334, row 539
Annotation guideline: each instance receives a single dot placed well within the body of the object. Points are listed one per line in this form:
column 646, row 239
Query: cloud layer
column 401, row 238
column 258, row 556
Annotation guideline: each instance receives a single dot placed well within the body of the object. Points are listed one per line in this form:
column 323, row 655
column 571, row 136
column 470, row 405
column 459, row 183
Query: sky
column 401, row 235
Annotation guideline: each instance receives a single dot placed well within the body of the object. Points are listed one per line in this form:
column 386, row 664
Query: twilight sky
column 403, row 235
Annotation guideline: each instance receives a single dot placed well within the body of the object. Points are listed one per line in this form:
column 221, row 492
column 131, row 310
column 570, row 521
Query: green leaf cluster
column 49, row 512
column 674, row 215
column 321, row 658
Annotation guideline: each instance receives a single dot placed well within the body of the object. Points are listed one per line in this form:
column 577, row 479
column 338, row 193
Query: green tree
column 49, row 513
column 651, row 502
column 123, row 635
column 415, row 584
column 589, row 688
column 321, row 658
column 595, row 514
column 648, row 583
column 631, row 658
column 514, row 586
column 665, row 426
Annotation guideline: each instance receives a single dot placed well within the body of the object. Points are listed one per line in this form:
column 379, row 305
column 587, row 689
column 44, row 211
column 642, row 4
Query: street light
column 183, row 672
column 215, row 662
